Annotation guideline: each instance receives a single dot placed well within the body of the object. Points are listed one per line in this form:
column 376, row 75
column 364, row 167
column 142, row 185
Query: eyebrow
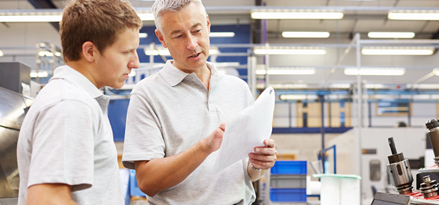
column 178, row 31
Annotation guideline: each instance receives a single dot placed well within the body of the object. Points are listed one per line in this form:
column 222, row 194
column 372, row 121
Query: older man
column 176, row 119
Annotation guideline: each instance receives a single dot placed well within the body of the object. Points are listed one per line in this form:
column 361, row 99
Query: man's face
column 117, row 60
column 186, row 35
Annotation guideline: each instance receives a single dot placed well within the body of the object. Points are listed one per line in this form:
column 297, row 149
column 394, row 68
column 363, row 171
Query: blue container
column 134, row 188
column 288, row 195
column 289, row 167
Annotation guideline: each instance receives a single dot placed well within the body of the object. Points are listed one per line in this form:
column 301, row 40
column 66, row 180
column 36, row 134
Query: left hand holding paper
column 264, row 157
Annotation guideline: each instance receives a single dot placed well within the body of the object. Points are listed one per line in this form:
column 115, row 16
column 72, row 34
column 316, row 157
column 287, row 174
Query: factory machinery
column 401, row 177
column 14, row 81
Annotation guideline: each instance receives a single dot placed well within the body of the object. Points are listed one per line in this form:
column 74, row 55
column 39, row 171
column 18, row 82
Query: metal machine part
column 399, row 170
column 429, row 187
column 433, row 134
column 13, row 107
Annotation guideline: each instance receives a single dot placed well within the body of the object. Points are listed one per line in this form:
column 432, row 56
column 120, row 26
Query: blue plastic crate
column 134, row 188
column 289, row 167
column 288, row 195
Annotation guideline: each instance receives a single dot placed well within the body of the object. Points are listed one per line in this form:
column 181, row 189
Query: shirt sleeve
column 143, row 136
column 63, row 145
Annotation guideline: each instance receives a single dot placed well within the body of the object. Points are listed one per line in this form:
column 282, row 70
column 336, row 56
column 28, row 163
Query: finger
column 262, row 157
column 223, row 125
column 269, row 143
column 265, row 150
column 262, row 164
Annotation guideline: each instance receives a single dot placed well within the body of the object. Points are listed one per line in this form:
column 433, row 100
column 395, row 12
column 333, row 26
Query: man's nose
column 192, row 43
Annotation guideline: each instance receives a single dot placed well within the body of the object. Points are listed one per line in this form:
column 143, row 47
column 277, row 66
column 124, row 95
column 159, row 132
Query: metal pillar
column 322, row 128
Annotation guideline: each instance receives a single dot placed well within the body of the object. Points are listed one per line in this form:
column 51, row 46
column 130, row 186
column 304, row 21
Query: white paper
column 246, row 131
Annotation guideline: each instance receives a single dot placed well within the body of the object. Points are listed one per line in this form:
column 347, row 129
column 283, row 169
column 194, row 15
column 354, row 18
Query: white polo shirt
column 169, row 112
column 66, row 138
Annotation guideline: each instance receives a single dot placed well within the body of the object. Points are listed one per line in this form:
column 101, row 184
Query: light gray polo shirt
column 66, row 138
column 169, row 112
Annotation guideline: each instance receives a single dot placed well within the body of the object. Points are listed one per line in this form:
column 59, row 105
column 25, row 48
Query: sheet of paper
column 247, row 130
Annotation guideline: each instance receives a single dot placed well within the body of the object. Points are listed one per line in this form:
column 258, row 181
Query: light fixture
column 391, row 34
column 41, row 74
column 296, row 14
column 298, row 97
column 340, row 85
column 221, row 34
column 145, row 16
column 286, row 71
column 1, row 53
column 226, row 64
column 290, row 51
column 304, row 34
column 143, row 35
column 397, row 51
column 414, row 15
column 49, row 16
column 165, row 51
column 424, row 86
column 375, row 71
column 437, row 72
column 40, row 17
column 133, row 73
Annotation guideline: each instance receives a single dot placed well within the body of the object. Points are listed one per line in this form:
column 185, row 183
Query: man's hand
column 264, row 157
column 213, row 142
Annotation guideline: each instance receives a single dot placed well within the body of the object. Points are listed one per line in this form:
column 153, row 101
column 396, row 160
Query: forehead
column 128, row 37
column 186, row 18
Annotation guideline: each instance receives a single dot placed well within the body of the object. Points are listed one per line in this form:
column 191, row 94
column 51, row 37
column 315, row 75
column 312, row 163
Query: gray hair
column 160, row 6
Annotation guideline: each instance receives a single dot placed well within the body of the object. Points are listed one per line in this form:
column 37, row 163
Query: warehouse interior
column 318, row 55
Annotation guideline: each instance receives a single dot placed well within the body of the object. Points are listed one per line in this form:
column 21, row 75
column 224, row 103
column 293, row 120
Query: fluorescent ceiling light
column 425, row 86
column 49, row 17
column 143, row 35
column 146, row 16
column 221, row 34
column 281, row 14
column 292, row 97
column 298, row 97
column 375, row 71
column 133, row 73
column 41, row 74
column 226, row 64
column 1, row 53
column 304, row 34
column 340, row 85
column 287, row 71
column 414, row 15
column 165, row 52
column 30, row 18
column 391, row 34
column 398, row 51
column 290, row 51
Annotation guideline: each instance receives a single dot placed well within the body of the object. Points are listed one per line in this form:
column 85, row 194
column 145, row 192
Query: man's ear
column 208, row 23
column 160, row 37
column 89, row 51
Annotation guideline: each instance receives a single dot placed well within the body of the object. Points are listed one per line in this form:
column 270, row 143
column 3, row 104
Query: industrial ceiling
column 360, row 16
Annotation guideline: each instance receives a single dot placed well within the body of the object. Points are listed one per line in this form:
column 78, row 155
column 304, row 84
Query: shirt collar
column 66, row 72
column 173, row 76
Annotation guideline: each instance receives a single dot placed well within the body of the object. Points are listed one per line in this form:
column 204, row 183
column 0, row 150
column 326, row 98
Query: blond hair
column 98, row 21
column 160, row 6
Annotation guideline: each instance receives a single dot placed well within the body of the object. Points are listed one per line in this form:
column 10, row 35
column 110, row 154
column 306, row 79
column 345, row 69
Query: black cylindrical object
column 399, row 170
column 433, row 134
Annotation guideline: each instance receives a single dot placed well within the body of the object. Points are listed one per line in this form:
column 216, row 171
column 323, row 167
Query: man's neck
column 83, row 68
column 204, row 76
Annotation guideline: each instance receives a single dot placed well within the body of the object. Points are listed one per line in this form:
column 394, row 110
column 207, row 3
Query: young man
column 66, row 153
column 174, row 121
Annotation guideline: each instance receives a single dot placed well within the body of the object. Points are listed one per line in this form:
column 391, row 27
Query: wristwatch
column 254, row 168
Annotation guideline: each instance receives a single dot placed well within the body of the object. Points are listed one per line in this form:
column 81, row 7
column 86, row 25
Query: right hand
column 213, row 142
